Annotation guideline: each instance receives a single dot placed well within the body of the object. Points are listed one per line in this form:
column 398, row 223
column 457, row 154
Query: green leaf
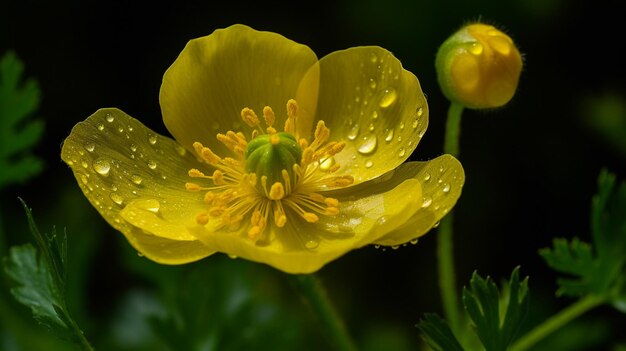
column 40, row 282
column 496, row 330
column 18, row 101
column 598, row 269
column 437, row 334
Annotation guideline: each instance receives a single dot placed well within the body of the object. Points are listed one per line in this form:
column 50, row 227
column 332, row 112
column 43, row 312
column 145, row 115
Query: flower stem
column 313, row 291
column 555, row 322
column 447, row 281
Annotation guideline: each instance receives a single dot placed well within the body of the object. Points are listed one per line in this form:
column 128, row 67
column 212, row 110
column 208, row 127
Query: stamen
column 202, row 218
column 193, row 187
column 194, row 173
column 270, row 118
column 248, row 116
column 310, row 217
column 277, row 192
column 292, row 113
column 218, row 177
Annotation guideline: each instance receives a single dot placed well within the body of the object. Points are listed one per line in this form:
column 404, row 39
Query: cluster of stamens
column 245, row 185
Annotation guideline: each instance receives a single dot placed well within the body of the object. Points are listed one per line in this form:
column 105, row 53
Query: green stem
column 445, row 248
column 555, row 322
column 312, row 289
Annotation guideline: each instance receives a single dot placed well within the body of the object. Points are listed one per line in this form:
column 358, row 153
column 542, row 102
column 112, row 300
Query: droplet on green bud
column 269, row 154
column 478, row 67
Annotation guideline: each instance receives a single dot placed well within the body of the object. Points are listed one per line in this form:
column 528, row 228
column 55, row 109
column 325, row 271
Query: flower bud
column 478, row 67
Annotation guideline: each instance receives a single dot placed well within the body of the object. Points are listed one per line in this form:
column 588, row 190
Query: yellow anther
column 226, row 140
column 209, row 156
column 274, row 139
column 342, row 181
column 241, row 151
column 216, row 211
column 334, row 168
column 198, row 147
column 307, row 156
column 270, row 130
column 193, row 187
column 303, row 143
column 331, row 211
column 218, row 177
column 292, row 113
column 254, row 233
column 202, row 218
column 287, row 180
column 337, row 147
column 255, row 133
column 248, row 116
column 194, row 173
column 321, row 132
column 277, row 191
column 209, row 197
column 256, row 217
column 269, row 116
column 331, row 202
column 310, row 217
column 280, row 220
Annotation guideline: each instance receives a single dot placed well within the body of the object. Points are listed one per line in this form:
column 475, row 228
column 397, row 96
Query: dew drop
column 413, row 242
column 389, row 98
column 152, row 139
column 181, row 150
column 102, row 166
column 109, row 117
column 136, row 179
column 120, row 129
column 150, row 205
column 371, row 127
column 374, row 115
column 427, row 201
column 401, row 152
column 426, row 176
column 357, row 99
column 130, row 129
column 327, row 163
column 446, row 188
column 372, row 83
column 382, row 220
column 401, row 126
column 436, row 224
column 420, row 112
column 90, row 147
column 389, row 136
column 476, row 48
column 116, row 198
column 368, row 146
column 311, row 244
column 420, row 134
column 133, row 147
column 139, row 254
column 377, row 246
column 369, row 164
column 354, row 132
column 84, row 163
column 414, row 125
column 152, row 164
column 101, row 127
column 395, row 247
column 373, row 58
column 83, row 178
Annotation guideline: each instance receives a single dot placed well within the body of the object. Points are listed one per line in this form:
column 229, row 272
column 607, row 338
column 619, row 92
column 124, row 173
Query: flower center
column 274, row 174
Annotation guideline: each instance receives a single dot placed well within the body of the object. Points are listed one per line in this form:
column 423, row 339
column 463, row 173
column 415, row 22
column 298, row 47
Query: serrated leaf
column 599, row 268
column 482, row 302
column 40, row 282
column 437, row 334
column 18, row 101
column 36, row 288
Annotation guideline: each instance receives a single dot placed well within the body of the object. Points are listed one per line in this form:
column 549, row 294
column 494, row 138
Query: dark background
column 531, row 167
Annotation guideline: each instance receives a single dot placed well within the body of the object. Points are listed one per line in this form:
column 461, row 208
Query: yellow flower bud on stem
column 478, row 67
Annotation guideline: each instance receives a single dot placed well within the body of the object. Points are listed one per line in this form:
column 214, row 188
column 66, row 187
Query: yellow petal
column 166, row 251
column 369, row 101
column 368, row 212
column 216, row 76
column 442, row 181
column 119, row 162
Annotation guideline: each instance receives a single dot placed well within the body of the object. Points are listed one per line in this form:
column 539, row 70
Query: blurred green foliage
column 18, row 101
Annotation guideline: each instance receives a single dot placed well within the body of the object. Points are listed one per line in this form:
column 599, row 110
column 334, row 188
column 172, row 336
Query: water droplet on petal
column 413, row 242
column 311, row 244
column 476, row 48
column 136, row 179
column 401, row 125
column 373, row 58
column 414, row 125
column 152, row 164
column 389, row 98
column 372, row 83
column 395, row 247
column 420, row 112
column 427, row 201
column 436, row 224
column 426, row 176
column 83, row 178
column 382, row 220
column 101, row 127
column 231, row 256
column 389, row 136
column 377, row 246
column 371, row 127
column 369, row 164
column 150, row 205
column 133, row 147
column 354, row 132
column 374, row 115
column 116, row 198
column 109, row 117
column 90, row 147
column 446, row 188
column 102, row 166
column 181, row 150
column 327, row 163
column 401, row 152
column 152, row 139
column 368, row 146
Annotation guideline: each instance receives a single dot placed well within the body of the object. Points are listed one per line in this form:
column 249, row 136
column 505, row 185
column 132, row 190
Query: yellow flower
column 318, row 174
column 479, row 67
